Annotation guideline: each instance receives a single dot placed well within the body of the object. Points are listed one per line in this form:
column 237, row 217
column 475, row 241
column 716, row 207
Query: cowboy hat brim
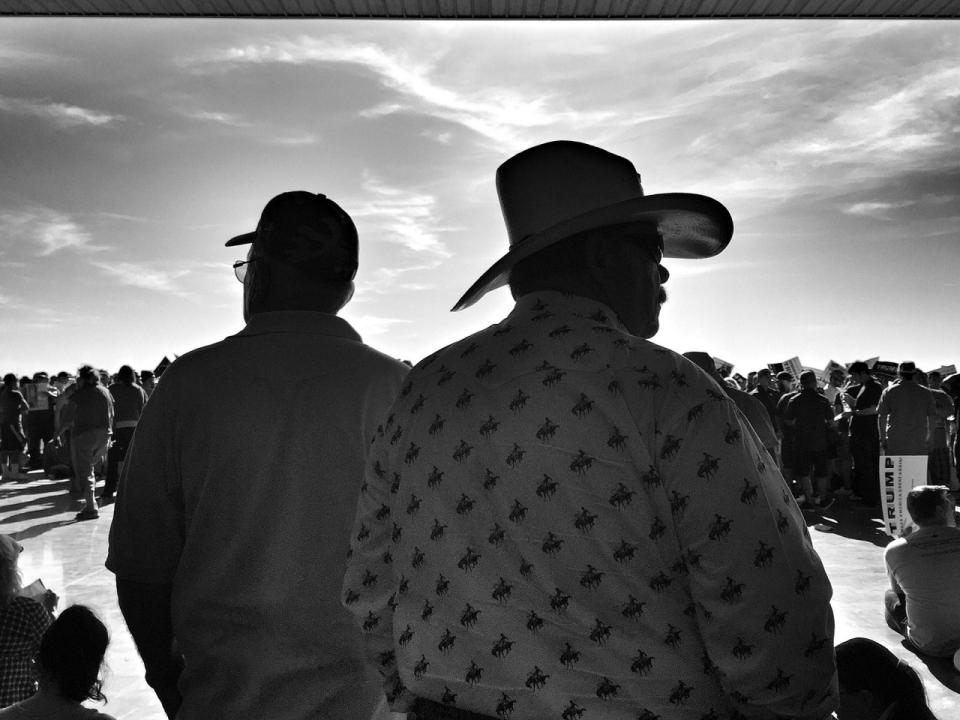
column 692, row 226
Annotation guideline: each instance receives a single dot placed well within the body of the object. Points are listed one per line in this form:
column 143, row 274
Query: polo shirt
column 925, row 567
column 239, row 489
column 564, row 520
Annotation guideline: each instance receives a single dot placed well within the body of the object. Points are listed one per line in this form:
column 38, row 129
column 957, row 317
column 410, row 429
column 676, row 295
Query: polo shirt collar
column 299, row 321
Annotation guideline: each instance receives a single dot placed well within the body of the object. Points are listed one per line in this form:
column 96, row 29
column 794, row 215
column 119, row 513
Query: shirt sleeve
column 368, row 584
column 762, row 595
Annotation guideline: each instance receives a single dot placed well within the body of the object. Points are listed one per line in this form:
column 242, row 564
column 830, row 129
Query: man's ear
column 597, row 257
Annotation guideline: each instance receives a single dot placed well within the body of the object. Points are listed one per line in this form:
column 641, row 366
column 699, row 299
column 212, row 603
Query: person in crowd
column 148, row 381
column 785, row 431
column 128, row 402
column 906, row 415
column 69, row 662
column 862, row 399
column 809, row 416
column 564, row 520
column 951, row 386
column 13, row 406
column 751, row 381
column 877, row 685
column 234, row 508
column 938, row 461
column 923, row 602
column 23, row 621
column 751, row 407
column 89, row 419
column 39, row 419
column 838, row 436
column 766, row 393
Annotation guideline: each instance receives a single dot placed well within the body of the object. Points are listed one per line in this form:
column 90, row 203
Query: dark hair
column 89, row 375
column 923, row 501
column 72, row 651
column 858, row 367
column 125, row 375
column 9, row 379
column 864, row 664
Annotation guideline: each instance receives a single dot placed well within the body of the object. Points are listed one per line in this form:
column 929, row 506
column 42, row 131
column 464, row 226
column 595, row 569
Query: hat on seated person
column 306, row 230
column 556, row 190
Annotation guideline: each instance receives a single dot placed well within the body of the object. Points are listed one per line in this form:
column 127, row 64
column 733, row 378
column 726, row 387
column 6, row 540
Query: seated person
column 22, row 624
column 923, row 603
column 876, row 685
column 71, row 655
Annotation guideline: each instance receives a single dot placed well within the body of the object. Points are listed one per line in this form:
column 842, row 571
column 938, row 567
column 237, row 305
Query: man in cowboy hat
column 240, row 484
column 562, row 519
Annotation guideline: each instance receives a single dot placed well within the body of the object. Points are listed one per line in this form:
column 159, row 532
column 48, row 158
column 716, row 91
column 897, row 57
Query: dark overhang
column 489, row 9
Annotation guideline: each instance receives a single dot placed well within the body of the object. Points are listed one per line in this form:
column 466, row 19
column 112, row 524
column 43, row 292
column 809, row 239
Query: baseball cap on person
column 307, row 230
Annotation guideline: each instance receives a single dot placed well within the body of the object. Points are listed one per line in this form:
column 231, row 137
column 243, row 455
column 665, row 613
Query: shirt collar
column 299, row 321
column 566, row 305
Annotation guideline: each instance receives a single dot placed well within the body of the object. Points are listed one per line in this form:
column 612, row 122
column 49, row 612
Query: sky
column 132, row 149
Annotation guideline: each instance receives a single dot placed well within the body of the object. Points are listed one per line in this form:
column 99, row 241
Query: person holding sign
column 923, row 602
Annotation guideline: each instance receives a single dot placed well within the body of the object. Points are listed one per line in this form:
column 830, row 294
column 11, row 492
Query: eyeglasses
column 240, row 268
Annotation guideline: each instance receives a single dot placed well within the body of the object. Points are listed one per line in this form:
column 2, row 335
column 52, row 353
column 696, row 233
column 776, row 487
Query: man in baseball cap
column 239, row 489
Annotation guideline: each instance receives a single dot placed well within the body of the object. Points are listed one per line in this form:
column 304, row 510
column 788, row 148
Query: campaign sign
column 899, row 474
column 885, row 370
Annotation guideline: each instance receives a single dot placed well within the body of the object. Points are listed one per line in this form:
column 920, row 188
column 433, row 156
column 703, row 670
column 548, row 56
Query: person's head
column 751, row 380
column 785, row 381
column 764, row 377
column 61, row 379
column 10, row 551
column 934, row 379
column 87, row 377
column 578, row 214
column 931, row 505
column 837, row 376
column 71, row 654
column 302, row 256
column 618, row 266
column 906, row 371
column 859, row 371
column 126, row 375
column 808, row 380
column 11, row 381
column 871, row 679
column 705, row 362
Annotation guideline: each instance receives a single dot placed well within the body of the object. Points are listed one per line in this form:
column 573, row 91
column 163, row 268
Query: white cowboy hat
column 552, row 191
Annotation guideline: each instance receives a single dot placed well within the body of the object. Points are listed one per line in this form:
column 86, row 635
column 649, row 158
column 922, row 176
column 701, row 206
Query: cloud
column 52, row 230
column 142, row 276
column 405, row 217
column 60, row 114
column 494, row 112
column 228, row 119
column 874, row 209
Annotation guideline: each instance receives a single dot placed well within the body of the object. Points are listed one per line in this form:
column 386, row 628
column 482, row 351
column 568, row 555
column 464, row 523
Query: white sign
column 899, row 474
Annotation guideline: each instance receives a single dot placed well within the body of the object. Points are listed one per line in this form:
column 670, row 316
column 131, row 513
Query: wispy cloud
column 142, row 275
column 874, row 209
column 376, row 325
column 60, row 114
column 53, row 231
column 405, row 217
column 220, row 118
column 494, row 112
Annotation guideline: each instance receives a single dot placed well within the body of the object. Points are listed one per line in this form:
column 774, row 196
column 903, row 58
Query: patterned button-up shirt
column 562, row 520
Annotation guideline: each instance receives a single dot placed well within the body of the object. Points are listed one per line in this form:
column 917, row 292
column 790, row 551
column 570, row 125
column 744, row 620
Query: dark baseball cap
column 306, row 230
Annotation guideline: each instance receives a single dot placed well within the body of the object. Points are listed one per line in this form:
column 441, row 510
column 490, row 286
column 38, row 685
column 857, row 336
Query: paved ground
column 69, row 557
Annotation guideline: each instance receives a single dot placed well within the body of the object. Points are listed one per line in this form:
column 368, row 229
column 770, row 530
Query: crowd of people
column 551, row 518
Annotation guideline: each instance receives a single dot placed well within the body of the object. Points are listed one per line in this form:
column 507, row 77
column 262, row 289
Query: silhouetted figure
column 876, row 685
